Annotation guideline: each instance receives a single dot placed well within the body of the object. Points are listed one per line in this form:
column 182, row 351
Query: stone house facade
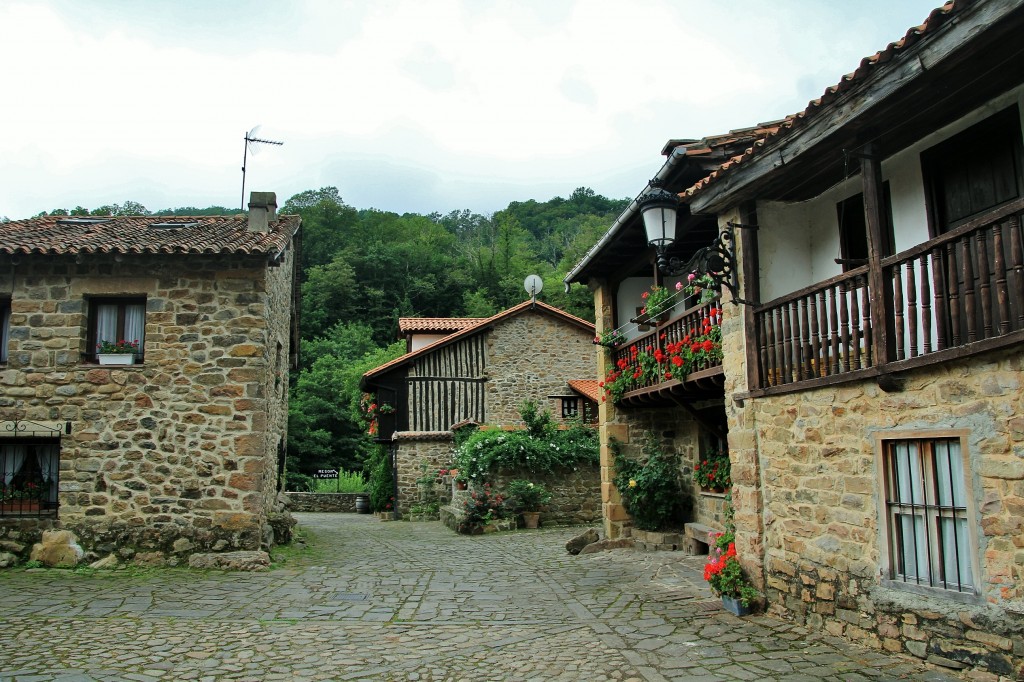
column 176, row 448
column 482, row 372
column 871, row 377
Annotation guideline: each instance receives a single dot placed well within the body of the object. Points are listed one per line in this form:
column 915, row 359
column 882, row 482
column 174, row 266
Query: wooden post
column 750, row 271
column 882, row 313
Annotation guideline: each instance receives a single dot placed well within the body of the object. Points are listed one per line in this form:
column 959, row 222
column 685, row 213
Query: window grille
column 926, row 508
column 29, row 477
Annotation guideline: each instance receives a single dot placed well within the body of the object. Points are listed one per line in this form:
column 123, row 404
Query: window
column 570, row 408
column 973, row 171
column 29, row 471
column 853, row 230
column 5, row 328
column 117, row 319
column 926, row 503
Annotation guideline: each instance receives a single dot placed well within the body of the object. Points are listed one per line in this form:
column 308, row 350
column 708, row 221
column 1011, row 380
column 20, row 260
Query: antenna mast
column 250, row 142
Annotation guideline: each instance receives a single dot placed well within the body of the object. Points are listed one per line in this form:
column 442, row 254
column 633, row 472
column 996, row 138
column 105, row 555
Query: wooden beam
column 883, row 341
column 750, row 268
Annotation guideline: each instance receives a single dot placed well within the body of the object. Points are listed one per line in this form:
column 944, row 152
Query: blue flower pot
column 735, row 606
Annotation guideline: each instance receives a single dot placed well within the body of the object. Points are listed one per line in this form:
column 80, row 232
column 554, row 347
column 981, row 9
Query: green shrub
column 541, row 449
column 650, row 488
column 521, row 495
column 347, row 482
column 382, row 484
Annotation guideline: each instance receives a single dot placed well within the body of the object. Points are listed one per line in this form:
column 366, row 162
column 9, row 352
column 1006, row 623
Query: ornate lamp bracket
column 717, row 260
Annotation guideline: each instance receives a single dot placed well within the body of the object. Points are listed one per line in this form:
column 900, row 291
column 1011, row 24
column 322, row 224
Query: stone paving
column 368, row 600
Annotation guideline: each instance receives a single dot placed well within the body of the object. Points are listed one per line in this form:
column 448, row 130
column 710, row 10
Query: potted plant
column 610, row 339
column 656, row 302
column 117, row 353
column 526, row 498
column 713, row 473
column 724, row 572
column 481, row 511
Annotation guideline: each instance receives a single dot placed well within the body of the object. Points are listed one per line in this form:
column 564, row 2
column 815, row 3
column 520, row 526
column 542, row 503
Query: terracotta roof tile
column 57, row 235
column 867, row 67
column 588, row 388
column 412, row 325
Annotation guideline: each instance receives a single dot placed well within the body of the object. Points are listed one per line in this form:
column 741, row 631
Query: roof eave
column 811, row 129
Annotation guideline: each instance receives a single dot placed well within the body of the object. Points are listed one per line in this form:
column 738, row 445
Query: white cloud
column 402, row 104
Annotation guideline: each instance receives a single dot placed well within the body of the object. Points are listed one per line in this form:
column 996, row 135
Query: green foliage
column 382, row 483
column 486, row 452
column 325, row 428
column 650, row 488
column 538, row 423
column 482, row 507
column 714, row 472
column 522, row 495
column 346, row 482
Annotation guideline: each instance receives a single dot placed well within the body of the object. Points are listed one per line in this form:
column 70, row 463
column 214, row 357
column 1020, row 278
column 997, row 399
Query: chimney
column 262, row 211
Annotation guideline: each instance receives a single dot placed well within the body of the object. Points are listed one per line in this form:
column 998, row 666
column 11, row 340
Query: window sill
column 898, row 586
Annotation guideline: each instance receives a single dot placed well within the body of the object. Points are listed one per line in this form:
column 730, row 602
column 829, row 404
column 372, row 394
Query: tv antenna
column 252, row 144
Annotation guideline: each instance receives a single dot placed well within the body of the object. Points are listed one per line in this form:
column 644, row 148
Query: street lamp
column 659, row 209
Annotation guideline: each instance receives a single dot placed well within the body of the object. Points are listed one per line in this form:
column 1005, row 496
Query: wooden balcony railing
column 687, row 326
column 962, row 288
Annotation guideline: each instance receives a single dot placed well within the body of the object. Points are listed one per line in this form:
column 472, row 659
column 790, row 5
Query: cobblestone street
column 412, row 601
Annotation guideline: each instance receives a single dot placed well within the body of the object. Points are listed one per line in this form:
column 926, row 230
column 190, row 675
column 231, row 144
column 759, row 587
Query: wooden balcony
column 956, row 295
column 705, row 380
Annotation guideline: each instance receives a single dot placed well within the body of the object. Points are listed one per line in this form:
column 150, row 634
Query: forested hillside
column 362, row 269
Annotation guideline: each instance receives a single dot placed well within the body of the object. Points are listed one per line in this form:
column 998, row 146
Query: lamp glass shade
column 660, row 223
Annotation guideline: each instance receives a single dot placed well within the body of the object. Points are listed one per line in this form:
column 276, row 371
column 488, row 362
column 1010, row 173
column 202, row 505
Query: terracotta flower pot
column 531, row 520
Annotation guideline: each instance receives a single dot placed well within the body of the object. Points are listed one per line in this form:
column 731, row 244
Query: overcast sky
column 419, row 105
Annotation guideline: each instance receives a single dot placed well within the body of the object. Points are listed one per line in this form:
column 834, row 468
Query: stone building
column 176, row 447
column 479, row 370
column 871, row 380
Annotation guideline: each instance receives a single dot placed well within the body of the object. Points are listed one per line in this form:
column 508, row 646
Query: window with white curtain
column 926, row 504
column 29, row 473
column 117, row 319
column 5, row 328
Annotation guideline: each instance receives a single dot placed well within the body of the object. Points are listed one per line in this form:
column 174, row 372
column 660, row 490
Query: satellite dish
column 533, row 285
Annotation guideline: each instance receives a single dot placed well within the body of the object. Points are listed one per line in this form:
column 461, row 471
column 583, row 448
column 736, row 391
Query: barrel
column 362, row 504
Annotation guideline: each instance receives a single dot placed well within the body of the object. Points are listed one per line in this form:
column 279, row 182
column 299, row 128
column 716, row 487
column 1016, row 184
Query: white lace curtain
column 134, row 323
column 11, row 459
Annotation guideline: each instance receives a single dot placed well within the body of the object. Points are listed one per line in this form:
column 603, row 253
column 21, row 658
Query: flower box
column 116, row 358
column 735, row 606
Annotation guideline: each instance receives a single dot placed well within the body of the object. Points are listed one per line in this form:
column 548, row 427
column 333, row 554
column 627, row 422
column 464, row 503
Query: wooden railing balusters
column 981, row 250
column 867, row 354
column 954, row 295
column 1002, row 294
column 911, row 309
column 844, row 325
column 926, row 306
column 1018, row 268
column 771, row 320
column 897, row 291
column 970, row 305
column 855, row 330
column 816, row 359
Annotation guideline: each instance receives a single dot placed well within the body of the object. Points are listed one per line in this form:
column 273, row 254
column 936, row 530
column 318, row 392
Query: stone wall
column 323, row 502
column 530, row 357
column 177, row 454
column 575, row 494
column 412, row 452
column 809, row 492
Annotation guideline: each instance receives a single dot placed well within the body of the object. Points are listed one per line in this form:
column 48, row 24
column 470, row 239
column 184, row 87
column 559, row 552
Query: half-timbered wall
column 447, row 386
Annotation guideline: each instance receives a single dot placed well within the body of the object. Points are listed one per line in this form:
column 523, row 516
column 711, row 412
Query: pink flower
column 691, row 277
column 679, row 285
